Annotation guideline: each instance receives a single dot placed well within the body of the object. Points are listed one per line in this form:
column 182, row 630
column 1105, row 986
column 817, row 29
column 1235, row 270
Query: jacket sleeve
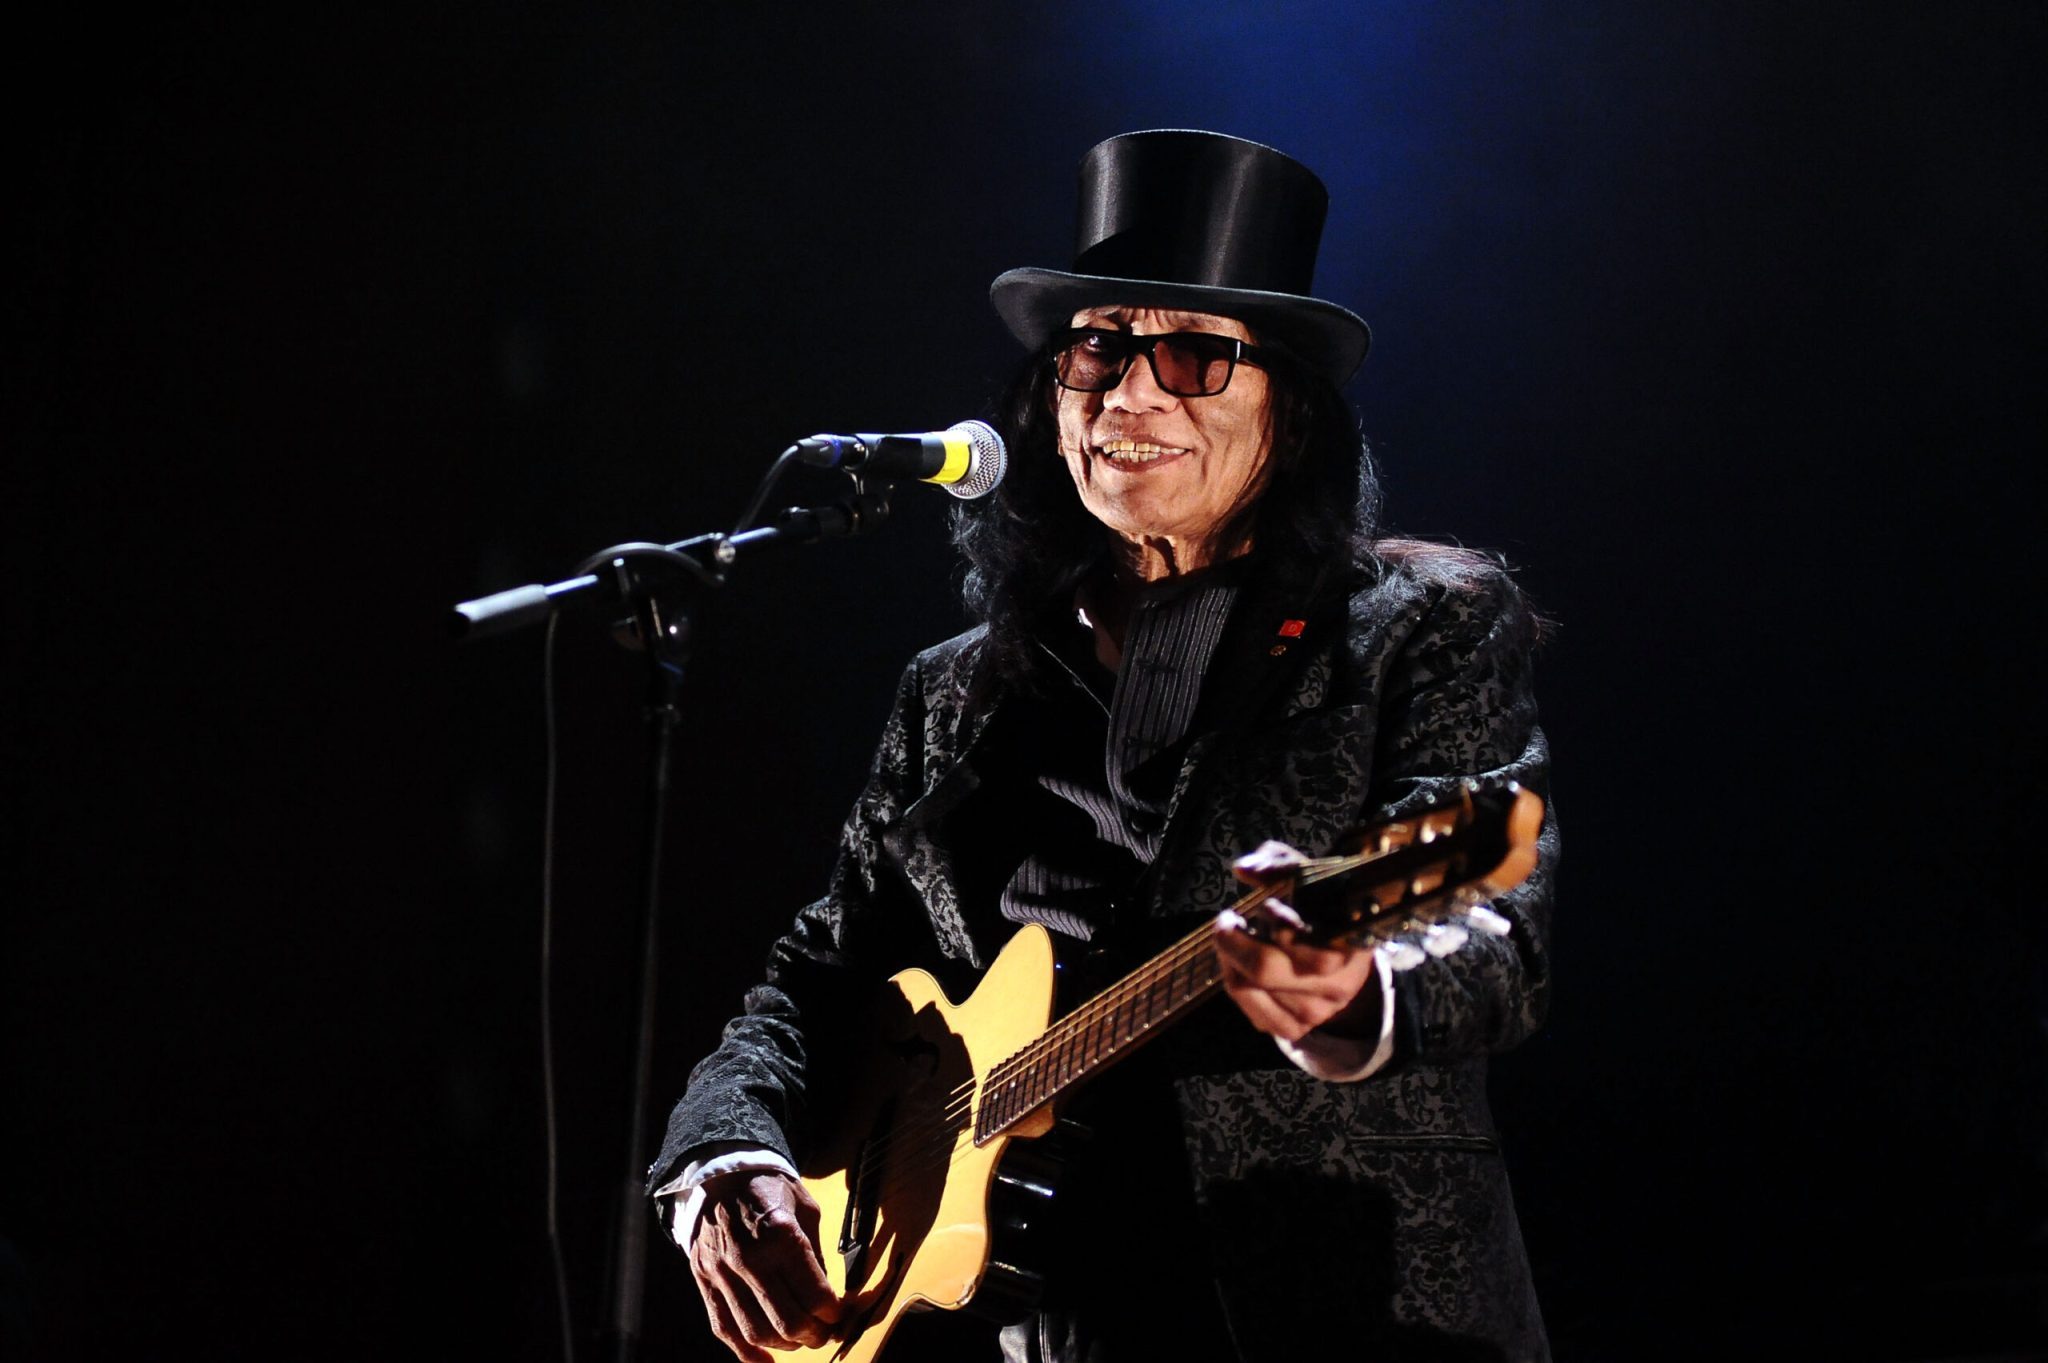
column 757, row 1087
column 1458, row 703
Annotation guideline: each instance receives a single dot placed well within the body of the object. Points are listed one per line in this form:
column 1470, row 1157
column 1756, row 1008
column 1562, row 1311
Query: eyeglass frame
column 1147, row 344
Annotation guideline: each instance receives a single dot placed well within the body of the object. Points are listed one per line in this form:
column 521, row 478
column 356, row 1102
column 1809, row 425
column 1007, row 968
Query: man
column 1193, row 643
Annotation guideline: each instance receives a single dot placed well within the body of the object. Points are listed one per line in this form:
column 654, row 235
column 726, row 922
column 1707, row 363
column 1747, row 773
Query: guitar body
column 916, row 1214
column 911, row 1205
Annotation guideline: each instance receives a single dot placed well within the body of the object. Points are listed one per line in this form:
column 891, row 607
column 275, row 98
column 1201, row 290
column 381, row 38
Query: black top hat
column 1202, row 223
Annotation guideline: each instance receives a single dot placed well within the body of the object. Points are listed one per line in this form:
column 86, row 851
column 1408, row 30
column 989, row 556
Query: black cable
column 547, row 898
column 760, row 497
column 547, row 1010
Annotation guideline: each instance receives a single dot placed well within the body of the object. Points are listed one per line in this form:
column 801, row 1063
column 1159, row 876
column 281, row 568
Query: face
column 1158, row 468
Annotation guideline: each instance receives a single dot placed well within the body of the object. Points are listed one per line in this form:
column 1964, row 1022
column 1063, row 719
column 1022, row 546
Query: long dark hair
column 1031, row 542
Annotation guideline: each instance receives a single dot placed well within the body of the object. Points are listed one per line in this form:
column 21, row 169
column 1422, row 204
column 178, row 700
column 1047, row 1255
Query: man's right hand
column 756, row 1259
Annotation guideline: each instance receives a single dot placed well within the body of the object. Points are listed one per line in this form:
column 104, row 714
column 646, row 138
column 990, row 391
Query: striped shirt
column 1109, row 750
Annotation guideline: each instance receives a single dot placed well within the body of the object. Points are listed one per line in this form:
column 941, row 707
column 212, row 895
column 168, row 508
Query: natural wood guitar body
column 905, row 1183
column 924, row 1183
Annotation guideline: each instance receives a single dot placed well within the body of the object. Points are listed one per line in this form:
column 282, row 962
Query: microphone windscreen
column 988, row 459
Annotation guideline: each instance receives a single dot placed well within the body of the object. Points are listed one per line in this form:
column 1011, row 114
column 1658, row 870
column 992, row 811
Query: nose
column 1139, row 390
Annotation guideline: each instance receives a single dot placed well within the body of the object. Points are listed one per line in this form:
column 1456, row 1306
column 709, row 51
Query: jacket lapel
column 1272, row 636
column 961, row 721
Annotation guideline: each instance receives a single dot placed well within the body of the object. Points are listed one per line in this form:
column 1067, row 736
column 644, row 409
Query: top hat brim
column 1036, row 304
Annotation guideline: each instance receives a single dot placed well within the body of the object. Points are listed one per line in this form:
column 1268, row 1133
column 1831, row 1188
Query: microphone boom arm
column 701, row 560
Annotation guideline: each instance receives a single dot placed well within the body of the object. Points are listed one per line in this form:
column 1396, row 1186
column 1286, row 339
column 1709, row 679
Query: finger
column 1261, row 924
column 1304, row 959
column 806, row 1283
column 1271, row 966
column 1235, row 946
column 1278, row 956
column 1255, row 965
column 724, row 1327
column 1282, row 913
column 1249, row 936
column 775, row 1265
column 822, row 1297
column 762, row 1305
column 1270, row 860
column 809, row 1318
column 743, row 1302
column 796, row 1295
column 1266, row 1013
column 1299, row 1006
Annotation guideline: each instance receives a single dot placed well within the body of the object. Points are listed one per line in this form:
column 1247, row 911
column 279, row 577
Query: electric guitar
column 934, row 1162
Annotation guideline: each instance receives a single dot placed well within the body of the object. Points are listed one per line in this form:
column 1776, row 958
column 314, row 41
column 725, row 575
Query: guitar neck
column 1101, row 1032
column 1405, row 873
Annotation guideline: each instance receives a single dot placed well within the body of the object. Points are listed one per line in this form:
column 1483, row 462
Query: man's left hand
column 1289, row 988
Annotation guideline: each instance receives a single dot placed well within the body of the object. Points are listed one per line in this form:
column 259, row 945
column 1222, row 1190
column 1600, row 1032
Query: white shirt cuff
column 1344, row 1060
column 727, row 1157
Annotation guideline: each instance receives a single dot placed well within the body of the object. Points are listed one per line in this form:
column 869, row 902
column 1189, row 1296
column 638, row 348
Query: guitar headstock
column 1428, row 873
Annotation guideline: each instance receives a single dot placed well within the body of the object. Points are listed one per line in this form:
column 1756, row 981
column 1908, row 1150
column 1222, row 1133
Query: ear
column 1287, row 421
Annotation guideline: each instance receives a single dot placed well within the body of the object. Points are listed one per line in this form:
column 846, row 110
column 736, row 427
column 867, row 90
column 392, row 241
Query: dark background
column 1723, row 321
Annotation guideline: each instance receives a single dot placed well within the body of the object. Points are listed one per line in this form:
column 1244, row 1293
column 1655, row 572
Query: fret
column 1099, row 1032
column 1416, row 865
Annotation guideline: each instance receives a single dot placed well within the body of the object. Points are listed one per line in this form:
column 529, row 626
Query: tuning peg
column 1402, row 955
column 1441, row 939
column 1482, row 919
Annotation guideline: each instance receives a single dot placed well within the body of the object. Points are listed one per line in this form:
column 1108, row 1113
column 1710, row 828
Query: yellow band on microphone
column 959, row 453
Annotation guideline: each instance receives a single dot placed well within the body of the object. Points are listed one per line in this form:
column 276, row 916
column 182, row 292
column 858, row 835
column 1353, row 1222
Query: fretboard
column 1404, row 874
column 1100, row 1032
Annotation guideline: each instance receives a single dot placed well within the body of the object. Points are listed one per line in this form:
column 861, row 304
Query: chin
column 1150, row 528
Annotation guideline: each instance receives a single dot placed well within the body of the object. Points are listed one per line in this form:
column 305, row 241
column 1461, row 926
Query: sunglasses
column 1187, row 364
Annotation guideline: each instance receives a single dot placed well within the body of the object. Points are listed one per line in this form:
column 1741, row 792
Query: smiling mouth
column 1135, row 453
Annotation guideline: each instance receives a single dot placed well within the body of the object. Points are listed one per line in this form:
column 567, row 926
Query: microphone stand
column 661, row 584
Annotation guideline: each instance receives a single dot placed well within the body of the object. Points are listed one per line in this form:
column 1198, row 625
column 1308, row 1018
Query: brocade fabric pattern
column 1369, row 1220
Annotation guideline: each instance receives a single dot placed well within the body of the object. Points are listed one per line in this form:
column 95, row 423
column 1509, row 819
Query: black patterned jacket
column 1385, row 1199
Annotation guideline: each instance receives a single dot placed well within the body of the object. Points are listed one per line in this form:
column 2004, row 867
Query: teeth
column 1135, row 451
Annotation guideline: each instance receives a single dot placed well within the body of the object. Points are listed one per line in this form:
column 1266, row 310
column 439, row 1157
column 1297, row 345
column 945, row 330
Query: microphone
column 966, row 459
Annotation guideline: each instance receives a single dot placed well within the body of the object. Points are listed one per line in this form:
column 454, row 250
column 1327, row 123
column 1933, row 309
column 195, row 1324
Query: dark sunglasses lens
column 1187, row 365
column 1092, row 363
column 1192, row 366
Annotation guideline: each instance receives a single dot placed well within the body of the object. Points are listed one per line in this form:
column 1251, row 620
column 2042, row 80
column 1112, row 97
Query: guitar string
column 1166, row 968
column 913, row 1140
column 1052, row 1054
column 1084, row 1018
column 1047, row 1051
column 949, row 1152
column 941, row 1134
column 946, row 1122
column 1145, row 978
column 944, row 1151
